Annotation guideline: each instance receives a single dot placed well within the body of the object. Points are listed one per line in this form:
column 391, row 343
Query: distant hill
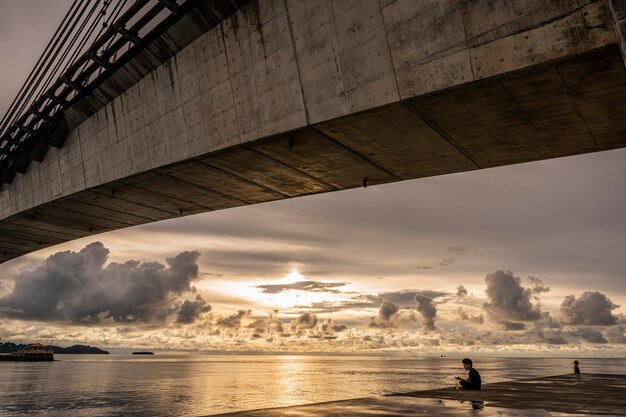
column 80, row 349
column 9, row 347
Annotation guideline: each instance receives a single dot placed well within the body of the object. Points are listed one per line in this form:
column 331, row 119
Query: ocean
column 202, row 384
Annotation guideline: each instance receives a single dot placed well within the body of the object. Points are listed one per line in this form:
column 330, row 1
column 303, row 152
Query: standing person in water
column 576, row 368
column 473, row 380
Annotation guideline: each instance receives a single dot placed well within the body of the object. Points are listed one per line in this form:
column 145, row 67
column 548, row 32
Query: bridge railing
column 28, row 128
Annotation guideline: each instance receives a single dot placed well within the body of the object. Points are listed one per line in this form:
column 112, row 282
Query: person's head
column 575, row 362
column 467, row 363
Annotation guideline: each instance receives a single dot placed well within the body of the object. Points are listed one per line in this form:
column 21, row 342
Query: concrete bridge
column 286, row 98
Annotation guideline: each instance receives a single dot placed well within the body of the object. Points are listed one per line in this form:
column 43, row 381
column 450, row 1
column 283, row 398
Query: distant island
column 143, row 353
column 80, row 350
column 9, row 347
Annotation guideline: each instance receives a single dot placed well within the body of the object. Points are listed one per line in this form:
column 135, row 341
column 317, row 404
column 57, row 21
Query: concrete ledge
column 565, row 395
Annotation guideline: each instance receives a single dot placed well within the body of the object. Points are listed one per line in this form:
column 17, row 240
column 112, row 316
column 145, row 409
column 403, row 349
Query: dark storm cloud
column 428, row 311
column 508, row 300
column 461, row 291
column 234, row 320
column 78, row 287
column 387, row 310
column 591, row 308
column 310, row 286
column 189, row 311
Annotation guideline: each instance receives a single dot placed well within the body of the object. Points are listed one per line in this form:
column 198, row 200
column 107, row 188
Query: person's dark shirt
column 473, row 381
column 576, row 369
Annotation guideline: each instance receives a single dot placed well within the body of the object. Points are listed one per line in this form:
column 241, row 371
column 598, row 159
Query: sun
column 289, row 299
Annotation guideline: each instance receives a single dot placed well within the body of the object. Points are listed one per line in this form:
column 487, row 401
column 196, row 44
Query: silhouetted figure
column 576, row 368
column 473, row 380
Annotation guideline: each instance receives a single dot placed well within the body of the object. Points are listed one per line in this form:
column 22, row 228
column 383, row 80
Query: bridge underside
column 553, row 110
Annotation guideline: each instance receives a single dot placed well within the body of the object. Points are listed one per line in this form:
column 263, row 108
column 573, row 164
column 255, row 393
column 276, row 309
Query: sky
column 526, row 259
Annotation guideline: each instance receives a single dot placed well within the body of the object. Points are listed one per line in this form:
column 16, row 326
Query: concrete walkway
column 592, row 394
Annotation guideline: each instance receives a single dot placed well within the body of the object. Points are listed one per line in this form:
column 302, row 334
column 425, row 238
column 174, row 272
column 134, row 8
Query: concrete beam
column 618, row 11
column 288, row 98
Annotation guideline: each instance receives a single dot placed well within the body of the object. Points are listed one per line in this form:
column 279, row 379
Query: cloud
column 328, row 327
column 590, row 335
column 423, row 267
column 403, row 298
column 508, row 300
column 547, row 322
column 270, row 324
column 555, row 340
column 339, row 328
column 537, row 286
column 466, row 316
column 591, row 308
column 79, row 288
column 461, row 292
column 386, row 312
column 322, row 307
column 447, row 261
column 306, row 320
column 189, row 311
column 428, row 311
column 615, row 334
column 391, row 315
column 459, row 250
column 311, row 286
column 510, row 325
column 234, row 320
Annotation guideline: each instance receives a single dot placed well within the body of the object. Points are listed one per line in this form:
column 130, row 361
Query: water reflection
column 193, row 385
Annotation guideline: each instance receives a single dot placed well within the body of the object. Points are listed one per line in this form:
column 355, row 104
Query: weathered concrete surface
column 591, row 395
column 291, row 97
column 618, row 9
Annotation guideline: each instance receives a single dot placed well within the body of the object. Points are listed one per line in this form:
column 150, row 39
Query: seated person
column 473, row 381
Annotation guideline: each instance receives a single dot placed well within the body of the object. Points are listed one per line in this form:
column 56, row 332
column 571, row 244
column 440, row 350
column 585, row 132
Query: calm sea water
column 198, row 385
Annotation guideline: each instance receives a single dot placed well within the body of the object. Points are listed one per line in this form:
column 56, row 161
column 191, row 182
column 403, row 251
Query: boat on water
column 35, row 352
